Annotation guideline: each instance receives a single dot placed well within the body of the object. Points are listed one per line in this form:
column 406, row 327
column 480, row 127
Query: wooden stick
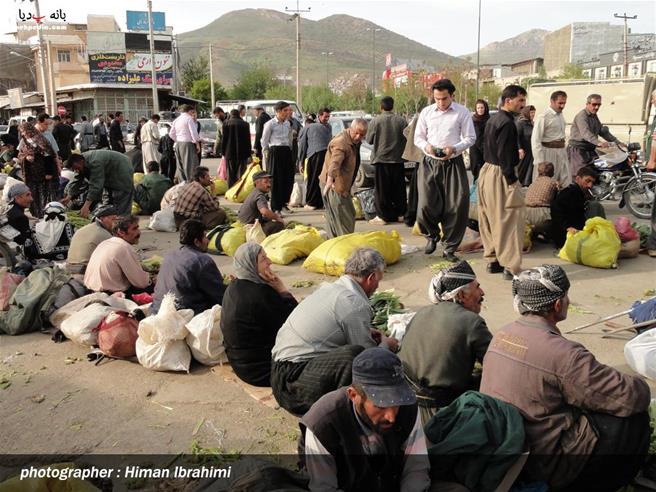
column 607, row 318
column 631, row 327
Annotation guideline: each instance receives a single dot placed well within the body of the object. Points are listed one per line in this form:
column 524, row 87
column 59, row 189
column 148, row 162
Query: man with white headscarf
column 586, row 423
column 444, row 340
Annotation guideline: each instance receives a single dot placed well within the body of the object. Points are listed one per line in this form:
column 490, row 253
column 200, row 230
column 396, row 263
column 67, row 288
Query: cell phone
column 439, row 152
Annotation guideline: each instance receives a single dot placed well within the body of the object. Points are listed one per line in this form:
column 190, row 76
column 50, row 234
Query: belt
column 556, row 144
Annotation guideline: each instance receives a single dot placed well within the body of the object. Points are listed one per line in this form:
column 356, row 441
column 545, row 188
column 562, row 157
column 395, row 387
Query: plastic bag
column 8, row 284
column 297, row 198
column 397, row 324
column 220, row 186
column 161, row 344
column 117, row 335
column 242, row 188
column 222, row 171
column 359, row 214
column 330, row 257
column 254, row 232
column 233, row 238
column 624, row 230
column 597, row 245
column 136, row 209
column 368, row 202
column 205, row 338
column 163, row 221
column 137, row 178
column 285, row 246
column 640, row 354
column 81, row 327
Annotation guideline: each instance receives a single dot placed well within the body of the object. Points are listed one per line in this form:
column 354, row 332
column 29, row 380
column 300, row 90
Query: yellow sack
column 357, row 205
column 415, row 230
column 254, row 232
column 233, row 238
column 528, row 241
column 330, row 257
column 597, row 245
column 242, row 188
column 285, row 246
column 15, row 484
column 137, row 178
column 220, row 187
column 136, row 209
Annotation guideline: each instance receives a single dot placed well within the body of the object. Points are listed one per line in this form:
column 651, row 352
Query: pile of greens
column 644, row 231
column 231, row 215
column 152, row 264
column 73, row 217
column 383, row 304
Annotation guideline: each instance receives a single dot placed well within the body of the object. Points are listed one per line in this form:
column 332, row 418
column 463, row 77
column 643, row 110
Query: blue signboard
column 138, row 21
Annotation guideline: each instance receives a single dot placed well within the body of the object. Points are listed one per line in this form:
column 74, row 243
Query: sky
column 444, row 25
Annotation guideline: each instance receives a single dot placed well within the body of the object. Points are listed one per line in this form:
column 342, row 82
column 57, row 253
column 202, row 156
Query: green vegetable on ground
column 643, row 230
column 385, row 303
column 75, row 220
column 231, row 215
column 152, row 264
column 301, row 284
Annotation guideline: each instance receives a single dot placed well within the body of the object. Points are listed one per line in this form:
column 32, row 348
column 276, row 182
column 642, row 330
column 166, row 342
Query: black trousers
column 313, row 190
column 411, row 211
column 235, row 168
column 389, row 185
column 297, row 385
column 281, row 167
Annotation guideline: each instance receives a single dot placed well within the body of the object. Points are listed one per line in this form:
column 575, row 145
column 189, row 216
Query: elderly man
column 316, row 346
column 114, row 266
column 444, row 131
column 256, row 206
column 548, row 139
column 184, row 133
column 106, row 171
column 20, row 198
column 150, row 136
column 86, row 240
column 277, row 148
column 367, row 436
column 195, row 202
column 337, row 178
column 444, row 340
column 312, row 145
column 584, row 135
column 586, row 423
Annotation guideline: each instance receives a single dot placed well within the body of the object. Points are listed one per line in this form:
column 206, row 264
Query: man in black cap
column 87, row 238
column 586, row 423
column 444, row 340
column 256, row 206
column 367, row 436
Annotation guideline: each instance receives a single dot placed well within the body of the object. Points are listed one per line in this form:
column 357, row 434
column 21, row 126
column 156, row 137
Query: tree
column 253, row 83
column 280, row 91
column 200, row 89
column 318, row 97
column 194, row 70
column 571, row 71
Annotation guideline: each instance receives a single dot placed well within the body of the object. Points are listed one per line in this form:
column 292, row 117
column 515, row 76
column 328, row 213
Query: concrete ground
column 54, row 401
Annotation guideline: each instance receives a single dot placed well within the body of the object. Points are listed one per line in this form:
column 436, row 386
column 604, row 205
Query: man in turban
column 444, row 340
column 586, row 423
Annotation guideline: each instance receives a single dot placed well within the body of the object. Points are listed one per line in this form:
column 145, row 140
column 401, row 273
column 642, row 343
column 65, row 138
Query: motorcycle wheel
column 7, row 257
column 639, row 195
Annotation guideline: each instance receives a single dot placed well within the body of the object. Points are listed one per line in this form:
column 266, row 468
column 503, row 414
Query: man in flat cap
column 367, row 436
column 444, row 340
column 586, row 423
column 87, row 238
column 19, row 198
column 256, row 206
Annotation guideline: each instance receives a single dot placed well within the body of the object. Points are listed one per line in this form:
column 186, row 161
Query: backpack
column 117, row 335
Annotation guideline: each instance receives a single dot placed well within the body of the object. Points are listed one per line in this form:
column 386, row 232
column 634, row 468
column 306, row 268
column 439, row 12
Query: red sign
column 61, row 110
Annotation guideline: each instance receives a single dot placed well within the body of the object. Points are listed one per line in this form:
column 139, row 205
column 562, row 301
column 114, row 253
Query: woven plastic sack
column 330, row 257
column 597, row 245
column 205, row 338
column 640, row 354
column 220, row 186
column 117, row 335
column 242, row 188
column 233, row 238
column 297, row 198
column 81, row 327
column 254, row 232
column 630, row 249
column 285, row 246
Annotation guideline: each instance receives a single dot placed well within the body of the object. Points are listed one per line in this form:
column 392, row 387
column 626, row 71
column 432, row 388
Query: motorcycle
column 622, row 173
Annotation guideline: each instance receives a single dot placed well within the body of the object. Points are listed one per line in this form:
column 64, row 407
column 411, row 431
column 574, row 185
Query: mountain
column 529, row 44
column 243, row 38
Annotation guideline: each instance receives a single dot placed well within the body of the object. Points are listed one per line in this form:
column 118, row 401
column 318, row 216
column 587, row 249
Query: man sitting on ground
column 86, row 240
column 539, row 196
column 586, row 423
column 444, row 340
column 190, row 273
column 315, row 348
column 574, row 205
column 367, row 436
column 256, row 206
column 115, row 266
column 149, row 193
column 195, row 202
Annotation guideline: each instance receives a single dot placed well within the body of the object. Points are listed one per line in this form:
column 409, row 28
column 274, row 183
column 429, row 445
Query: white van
column 17, row 120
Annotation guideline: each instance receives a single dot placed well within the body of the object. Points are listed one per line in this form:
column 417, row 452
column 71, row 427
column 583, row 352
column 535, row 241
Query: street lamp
column 327, row 54
column 373, row 67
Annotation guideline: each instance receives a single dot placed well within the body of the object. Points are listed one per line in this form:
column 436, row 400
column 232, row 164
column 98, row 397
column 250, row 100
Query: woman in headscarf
column 524, row 131
column 40, row 171
column 255, row 306
column 480, row 117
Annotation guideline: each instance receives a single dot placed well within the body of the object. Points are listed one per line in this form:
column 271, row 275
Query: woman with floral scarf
column 40, row 170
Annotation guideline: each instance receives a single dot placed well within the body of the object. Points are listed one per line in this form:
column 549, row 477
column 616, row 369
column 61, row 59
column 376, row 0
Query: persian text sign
column 106, row 68
column 138, row 21
column 140, row 62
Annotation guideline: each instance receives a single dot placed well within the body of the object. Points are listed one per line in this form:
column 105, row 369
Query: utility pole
column 327, row 54
column 478, row 50
column 626, row 40
column 373, row 68
column 42, row 59
column 51, row 82
column 153, row 73
column 174, row 47
column 297, row 16
column 211, row 79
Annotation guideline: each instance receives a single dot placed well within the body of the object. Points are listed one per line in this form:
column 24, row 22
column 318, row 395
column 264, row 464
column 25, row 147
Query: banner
column 163, row 78
column 138, row 21
column 107, row 68
column 140, row 62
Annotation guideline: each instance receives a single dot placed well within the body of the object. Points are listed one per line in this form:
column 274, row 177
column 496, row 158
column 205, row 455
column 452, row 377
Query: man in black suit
column 261, row 118
column 236, row 145
column 116, row 134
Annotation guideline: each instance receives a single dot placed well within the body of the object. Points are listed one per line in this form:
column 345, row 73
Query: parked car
column 208, row 128
column 4, row 129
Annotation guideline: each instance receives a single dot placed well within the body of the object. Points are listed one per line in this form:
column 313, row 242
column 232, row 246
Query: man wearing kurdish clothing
column 277, row 147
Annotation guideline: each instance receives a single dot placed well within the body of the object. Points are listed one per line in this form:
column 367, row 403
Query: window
column 63, row 56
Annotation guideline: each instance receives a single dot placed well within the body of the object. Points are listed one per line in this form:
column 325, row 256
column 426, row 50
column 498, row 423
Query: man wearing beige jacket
column 337, row 178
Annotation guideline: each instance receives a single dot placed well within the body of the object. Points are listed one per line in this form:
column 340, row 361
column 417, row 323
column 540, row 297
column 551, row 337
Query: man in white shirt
column 548, row 139
column 444, row 130
column 187, row 142
column 277, row 149
column 150, row 141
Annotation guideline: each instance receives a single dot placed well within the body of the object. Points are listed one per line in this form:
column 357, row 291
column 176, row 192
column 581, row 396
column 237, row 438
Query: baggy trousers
column 314, row 167
column 443, row 199
column 501, row 228
column 185, row 154
column 339, row 213
column 281, row 166
column 389, row 187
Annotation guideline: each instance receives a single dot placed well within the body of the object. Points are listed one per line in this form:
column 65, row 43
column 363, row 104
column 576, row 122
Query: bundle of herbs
column 384, row 303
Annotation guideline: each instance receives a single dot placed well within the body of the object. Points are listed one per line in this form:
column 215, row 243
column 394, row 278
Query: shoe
column 450, row 257
column 507, row 274
column 652, row 253
column 309, row 207
column 494, row 267
column 430, row 245
column 377, row 221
